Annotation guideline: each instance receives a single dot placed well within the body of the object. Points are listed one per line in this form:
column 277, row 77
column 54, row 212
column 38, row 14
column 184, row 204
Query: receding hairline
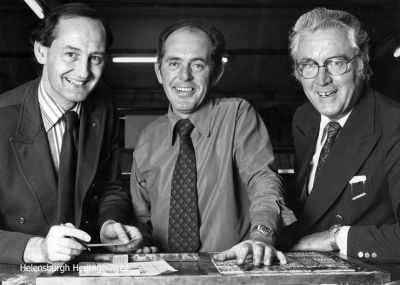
column 193, row 30
column 74, row 16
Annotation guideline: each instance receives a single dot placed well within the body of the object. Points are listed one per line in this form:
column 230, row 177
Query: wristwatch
column 265, row 230
column 332, row 236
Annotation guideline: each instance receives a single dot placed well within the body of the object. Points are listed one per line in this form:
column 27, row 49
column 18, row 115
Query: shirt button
column 21, row 220
column 360, row 254
column 374, row 255
column 366, row 255
column 339, row 217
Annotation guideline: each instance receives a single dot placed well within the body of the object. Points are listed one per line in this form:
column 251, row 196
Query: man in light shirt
column 41, row 218
column 229, row 196
column 347, row 144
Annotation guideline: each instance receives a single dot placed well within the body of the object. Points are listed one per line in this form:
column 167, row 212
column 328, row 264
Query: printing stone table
column 302, row 268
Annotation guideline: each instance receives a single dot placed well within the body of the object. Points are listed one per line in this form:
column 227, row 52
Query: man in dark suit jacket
column 71, row 46
column 347, row 144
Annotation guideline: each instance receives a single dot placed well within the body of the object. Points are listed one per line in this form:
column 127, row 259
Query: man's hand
column 147, row 249
column 59, row 246
column 127, row 238
column 263, row 252
column 314, row 242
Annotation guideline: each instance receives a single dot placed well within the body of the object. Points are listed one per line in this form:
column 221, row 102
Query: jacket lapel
column 306, row 135
column 32, row 151
column 90, row 141
column 352, row 146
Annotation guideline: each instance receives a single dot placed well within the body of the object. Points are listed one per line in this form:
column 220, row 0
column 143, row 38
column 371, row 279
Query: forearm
column 115, row 204
column 372, row 243
column 268, row 204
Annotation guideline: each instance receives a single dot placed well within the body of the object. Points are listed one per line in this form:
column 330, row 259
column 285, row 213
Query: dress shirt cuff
column 102, row 238
column 342, row 239
column 34, row 250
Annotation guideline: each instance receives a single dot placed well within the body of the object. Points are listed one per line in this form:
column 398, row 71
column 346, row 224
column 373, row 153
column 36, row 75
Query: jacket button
column 339, row 217
column 374, row 255
column 360, row 254
column 21, row 220
column 366, row 255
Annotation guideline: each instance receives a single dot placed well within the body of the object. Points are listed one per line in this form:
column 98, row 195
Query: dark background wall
column 259, row 67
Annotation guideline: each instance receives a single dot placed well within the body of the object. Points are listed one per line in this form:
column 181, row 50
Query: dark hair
column 322, row 18
column 216, row 37
column 44, row 33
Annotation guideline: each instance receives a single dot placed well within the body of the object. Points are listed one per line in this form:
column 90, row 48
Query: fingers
column 118, row 248
column 225, row 255
column 268, row 255
column 58, row 244
column 69, row 230
column 281, row 257
column 119, row 232
column 239, row 251
column 147, row 249
column 135, row 237
column 258, row 254
column 262, row 253
column 244, row 250
column 129, row 236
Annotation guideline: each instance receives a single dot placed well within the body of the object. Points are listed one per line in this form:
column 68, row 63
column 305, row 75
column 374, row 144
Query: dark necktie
column 183, row 230
column 333, row 130
column 67, row 169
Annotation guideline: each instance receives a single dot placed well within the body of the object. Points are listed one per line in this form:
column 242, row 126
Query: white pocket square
column 357, row 186
column 358, row 178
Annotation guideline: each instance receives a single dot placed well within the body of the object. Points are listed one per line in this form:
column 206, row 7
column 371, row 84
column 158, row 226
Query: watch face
column 267, row 231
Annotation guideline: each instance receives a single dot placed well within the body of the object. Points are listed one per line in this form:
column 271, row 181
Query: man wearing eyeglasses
column 347, row 144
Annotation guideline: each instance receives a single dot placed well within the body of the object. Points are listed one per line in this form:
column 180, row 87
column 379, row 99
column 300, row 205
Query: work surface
column 302, row 268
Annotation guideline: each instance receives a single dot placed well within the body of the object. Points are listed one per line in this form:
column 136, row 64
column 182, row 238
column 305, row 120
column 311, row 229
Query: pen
column 81, row 242
column 77, row 239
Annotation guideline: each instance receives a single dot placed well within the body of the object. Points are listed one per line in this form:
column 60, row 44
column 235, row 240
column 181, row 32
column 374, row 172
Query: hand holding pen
column 78, row 240
column 63, row 242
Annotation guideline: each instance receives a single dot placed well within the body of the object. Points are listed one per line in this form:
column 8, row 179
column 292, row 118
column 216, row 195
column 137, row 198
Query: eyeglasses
column 334, row 66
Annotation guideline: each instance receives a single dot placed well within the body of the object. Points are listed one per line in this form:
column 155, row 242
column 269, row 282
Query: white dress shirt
column 343, row 232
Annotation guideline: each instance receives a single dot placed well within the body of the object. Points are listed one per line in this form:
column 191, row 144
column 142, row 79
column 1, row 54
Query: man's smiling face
column 332, row 95
column 74, row 62
column 185, row 70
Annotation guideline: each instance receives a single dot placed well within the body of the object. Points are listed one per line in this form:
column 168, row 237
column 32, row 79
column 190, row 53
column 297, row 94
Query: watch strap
column 332, row 236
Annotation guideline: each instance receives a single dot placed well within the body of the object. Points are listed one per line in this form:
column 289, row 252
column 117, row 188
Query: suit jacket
column 368, row 145
column 28, row 181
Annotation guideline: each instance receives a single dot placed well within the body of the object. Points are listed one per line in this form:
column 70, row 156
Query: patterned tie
column 67, row 169
column 333, row 130
column 183, row 230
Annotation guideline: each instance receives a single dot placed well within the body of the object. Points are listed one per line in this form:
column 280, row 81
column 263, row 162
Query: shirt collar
column 325, row 121
column 51, row 111
column 200, row 119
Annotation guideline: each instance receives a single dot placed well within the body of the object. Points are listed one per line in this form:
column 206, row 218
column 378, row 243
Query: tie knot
column 185, row 127
column 71, row 117
column 333, row 129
